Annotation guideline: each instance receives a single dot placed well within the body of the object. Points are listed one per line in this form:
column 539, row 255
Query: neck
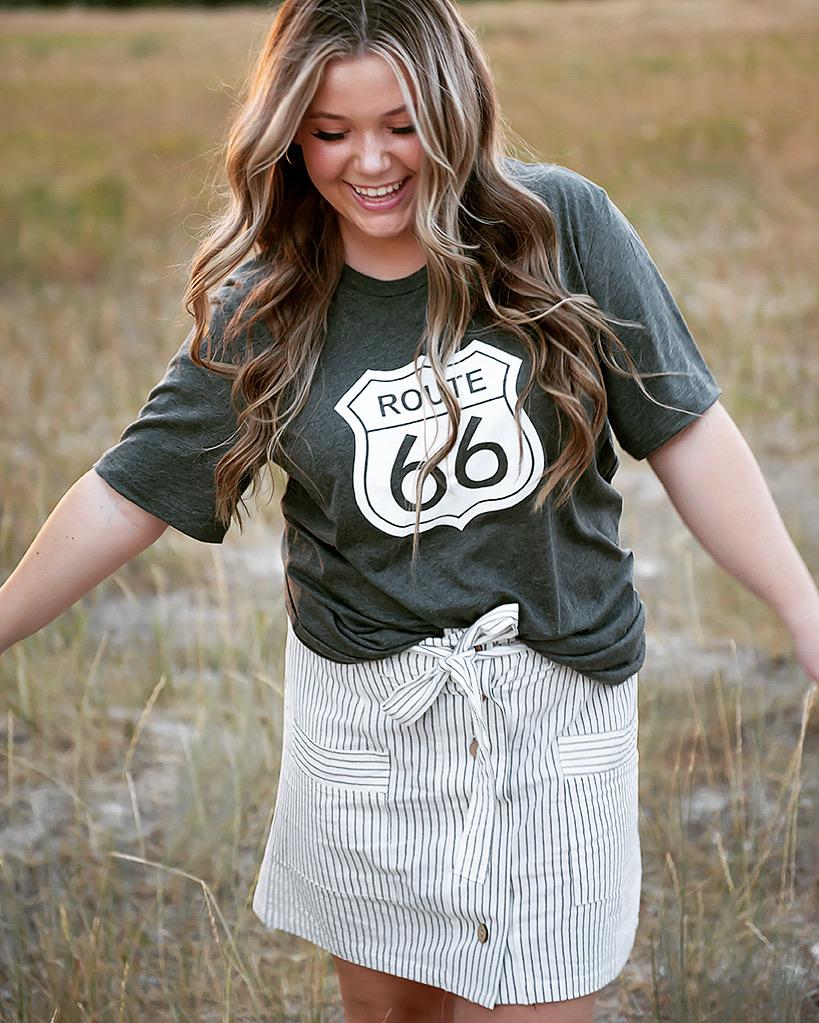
column 387, row 259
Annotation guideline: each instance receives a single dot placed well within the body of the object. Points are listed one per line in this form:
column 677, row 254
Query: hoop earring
column 287, row 157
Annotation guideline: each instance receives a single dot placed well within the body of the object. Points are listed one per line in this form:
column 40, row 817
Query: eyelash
column 326, row 136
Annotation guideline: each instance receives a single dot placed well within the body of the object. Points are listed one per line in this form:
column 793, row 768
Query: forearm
column 717, row 487
column 91, row 533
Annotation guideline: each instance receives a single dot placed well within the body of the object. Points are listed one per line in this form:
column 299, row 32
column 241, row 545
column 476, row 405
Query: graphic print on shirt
column 398, row 421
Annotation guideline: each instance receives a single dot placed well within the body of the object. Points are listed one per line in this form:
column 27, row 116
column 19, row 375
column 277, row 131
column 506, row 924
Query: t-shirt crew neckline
column 374, row 286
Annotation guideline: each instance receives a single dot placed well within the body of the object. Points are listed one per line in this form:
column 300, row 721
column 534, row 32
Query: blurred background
column 140, row 733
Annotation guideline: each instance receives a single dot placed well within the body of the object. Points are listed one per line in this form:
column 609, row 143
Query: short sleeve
column 165, row 459
column 624, row 281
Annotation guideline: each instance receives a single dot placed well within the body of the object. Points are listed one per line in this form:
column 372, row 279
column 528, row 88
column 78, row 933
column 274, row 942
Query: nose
column 372, row 159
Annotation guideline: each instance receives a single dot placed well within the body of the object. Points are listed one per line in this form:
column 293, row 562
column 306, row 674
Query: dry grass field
column 140, row 732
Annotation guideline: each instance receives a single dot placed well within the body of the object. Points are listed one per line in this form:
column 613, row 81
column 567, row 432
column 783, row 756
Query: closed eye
column 337, row 136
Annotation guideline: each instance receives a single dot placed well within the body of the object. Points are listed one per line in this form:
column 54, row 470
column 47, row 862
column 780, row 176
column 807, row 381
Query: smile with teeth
column 378, row 193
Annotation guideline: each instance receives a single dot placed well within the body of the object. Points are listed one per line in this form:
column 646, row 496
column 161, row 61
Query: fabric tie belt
column 455, row 657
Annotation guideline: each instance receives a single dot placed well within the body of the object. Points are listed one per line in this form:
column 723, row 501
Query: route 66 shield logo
column 399, row 418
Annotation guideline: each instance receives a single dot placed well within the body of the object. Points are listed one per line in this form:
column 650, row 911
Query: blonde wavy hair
column 490, row 244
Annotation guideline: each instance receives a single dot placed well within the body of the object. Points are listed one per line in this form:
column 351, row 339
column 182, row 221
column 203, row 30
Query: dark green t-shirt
column 351, row 454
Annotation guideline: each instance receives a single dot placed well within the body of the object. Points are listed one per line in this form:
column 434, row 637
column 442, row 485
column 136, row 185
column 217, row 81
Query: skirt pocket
column 596, row 752
column 334, row 827
column 363, row 770
column 600, row 773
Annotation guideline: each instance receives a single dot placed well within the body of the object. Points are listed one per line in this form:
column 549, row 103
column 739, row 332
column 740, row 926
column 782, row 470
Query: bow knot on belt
column 455, row 657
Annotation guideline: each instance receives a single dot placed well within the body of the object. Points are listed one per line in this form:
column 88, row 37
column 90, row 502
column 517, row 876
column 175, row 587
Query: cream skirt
column 462, row 814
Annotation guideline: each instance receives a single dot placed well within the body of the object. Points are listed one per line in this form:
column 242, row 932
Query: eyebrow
column 340, row 117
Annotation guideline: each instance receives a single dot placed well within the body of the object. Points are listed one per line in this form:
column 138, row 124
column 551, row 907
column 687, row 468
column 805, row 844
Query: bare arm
column 91, row 533
column 717, row 487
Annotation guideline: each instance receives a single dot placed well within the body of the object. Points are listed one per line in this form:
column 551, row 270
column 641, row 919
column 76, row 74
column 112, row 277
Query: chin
column 383, row 230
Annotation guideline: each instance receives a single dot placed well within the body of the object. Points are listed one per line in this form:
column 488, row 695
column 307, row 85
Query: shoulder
column 230, row 294
column 573, row 198
column 581, row 208
column 227, row 297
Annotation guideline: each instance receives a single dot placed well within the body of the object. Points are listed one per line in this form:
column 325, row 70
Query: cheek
column 323, row 164
column 413, row 155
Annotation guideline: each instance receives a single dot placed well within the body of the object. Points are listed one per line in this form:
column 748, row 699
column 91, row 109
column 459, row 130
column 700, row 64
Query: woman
column 418, row 330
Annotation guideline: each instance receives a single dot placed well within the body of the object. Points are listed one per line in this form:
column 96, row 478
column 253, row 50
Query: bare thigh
column 370, row 996
column 573, row 1010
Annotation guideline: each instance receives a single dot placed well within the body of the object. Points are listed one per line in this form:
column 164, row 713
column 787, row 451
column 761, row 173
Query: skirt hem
column 398, row 964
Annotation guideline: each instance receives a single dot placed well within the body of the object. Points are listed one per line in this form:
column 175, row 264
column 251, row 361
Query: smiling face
column 369, row 143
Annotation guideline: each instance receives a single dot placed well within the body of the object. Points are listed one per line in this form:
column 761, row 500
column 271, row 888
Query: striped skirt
column 462, row 814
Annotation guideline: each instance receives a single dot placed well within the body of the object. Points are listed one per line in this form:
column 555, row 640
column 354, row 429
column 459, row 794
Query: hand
column 805, row 635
